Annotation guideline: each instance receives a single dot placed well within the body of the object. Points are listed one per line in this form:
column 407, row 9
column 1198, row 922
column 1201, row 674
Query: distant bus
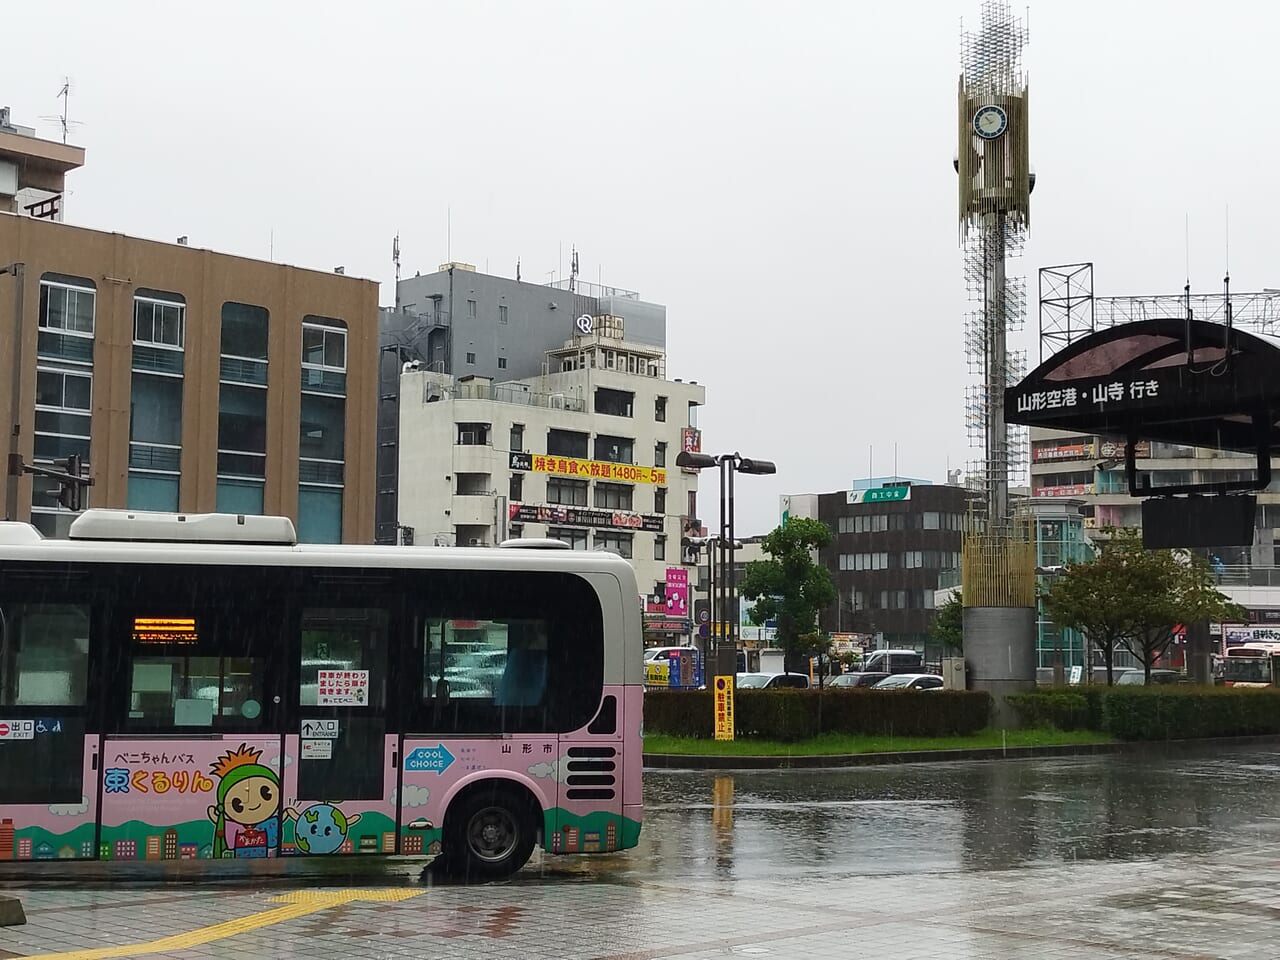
column 202, row 686
column 1249, row 665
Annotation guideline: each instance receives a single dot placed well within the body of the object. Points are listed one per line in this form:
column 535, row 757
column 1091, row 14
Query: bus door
column 192, row 761
column 343, row 756
column 501, row 664
column 49, row 743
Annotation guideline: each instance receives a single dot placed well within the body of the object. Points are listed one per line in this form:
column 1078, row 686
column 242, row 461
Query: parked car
column 910, row 681
column 772, row 681
column 1135, row 677
column 865, row 679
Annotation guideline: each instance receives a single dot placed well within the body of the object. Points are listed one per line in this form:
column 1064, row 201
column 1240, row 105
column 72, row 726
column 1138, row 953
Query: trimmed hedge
column 791, row 715
column 1058, row 710
column 1153, row 713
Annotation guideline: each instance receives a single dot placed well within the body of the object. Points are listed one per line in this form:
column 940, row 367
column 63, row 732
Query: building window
column 515, row 531
column 614, row 496
column 614, row 449
column 324, row 344
column 517, row 437
column 576, row 539
column 67, row 307
column 614, row 403
column 502, row 313
column 659, row 454
column 471, row 309
column 913, row 559
column 64, row 386
column 471, row 358
column 322, row 430
column 659, row 547
column 619, row 543
column 242, row 409
column 473, row 434
column 517, row 487
column 155, row 401
column 158, row 322
column 931, row 520
column 569, row 493
column 660, row 409
column 567, row 443
column 502, row 363
column 660, row 500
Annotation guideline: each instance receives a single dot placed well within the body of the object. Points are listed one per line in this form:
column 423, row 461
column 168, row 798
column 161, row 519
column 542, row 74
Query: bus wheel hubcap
column 492, row 833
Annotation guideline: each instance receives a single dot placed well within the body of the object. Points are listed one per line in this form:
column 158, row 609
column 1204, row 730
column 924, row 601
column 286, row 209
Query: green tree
column 1126, row 595
column 790, row 587
column 948, row 623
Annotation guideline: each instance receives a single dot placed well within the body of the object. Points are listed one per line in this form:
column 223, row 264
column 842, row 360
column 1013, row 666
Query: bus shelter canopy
column 1172, row 380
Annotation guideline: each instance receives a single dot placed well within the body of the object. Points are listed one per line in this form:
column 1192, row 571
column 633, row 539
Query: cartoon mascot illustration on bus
column 321, row 829
column 245, row 818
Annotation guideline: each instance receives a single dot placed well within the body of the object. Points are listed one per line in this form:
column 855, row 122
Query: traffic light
column 71, row 494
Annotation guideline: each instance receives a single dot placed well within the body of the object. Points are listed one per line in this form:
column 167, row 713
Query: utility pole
column 18, row 271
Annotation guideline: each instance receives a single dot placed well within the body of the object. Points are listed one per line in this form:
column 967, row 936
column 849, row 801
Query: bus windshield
column 1246, row 670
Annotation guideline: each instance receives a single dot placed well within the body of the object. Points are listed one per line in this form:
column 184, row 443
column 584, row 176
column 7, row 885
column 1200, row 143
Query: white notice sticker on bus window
column 317, row 749
column 17, row 729
column 342, row 688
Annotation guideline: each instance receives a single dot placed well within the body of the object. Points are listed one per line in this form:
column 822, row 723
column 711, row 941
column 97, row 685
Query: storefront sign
column 724, row 708
column 342, row 688
column 1062, row 451
column 588, row 469
column 1234, row 634
column 666, row 625
column 878, row 495
column 585, row 517
column 1114, row 449
column 1065, row 490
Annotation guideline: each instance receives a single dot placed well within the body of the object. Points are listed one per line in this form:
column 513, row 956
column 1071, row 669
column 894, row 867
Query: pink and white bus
column 202, row 686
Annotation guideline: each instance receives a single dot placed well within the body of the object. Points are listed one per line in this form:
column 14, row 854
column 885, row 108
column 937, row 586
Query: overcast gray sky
column 778, row 175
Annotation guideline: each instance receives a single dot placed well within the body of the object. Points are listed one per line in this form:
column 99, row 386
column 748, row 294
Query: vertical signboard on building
column 677, row 592
column 724, row 708
column 690, row 442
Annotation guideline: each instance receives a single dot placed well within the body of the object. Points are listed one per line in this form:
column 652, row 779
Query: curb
column 680, row 761
column 11, row 912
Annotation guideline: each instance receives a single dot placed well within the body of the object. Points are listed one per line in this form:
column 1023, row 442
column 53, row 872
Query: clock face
column 990, row 122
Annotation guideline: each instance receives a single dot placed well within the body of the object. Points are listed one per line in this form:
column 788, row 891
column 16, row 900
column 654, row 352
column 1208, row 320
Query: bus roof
column 132, row 536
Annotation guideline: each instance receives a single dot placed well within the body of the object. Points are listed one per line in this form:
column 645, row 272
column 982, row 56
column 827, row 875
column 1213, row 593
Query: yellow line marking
column 296, row 904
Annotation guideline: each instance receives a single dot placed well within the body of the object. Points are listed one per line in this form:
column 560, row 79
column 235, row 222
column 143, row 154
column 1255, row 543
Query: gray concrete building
column 460, row 322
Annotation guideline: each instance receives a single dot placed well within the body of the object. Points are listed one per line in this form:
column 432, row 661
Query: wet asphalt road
column 946, row 818
column 1092, row 858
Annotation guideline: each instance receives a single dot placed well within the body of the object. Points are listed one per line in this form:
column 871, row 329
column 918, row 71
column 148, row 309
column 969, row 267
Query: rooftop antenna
column 573, row 269
column 1226, row 284
column 395, row 258
column 63, row 119
column 448, row 234
column 517, row 269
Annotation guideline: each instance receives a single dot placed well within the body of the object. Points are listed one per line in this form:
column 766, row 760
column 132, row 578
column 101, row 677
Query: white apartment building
column 585, row 453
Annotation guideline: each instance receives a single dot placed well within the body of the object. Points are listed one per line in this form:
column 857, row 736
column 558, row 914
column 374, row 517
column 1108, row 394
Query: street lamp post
column 726, row 582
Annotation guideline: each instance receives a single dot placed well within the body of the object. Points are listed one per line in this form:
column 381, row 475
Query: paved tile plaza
column 1051, row 860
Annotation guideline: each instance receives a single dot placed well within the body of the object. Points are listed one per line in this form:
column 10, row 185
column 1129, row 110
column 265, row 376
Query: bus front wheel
column 489, row 834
